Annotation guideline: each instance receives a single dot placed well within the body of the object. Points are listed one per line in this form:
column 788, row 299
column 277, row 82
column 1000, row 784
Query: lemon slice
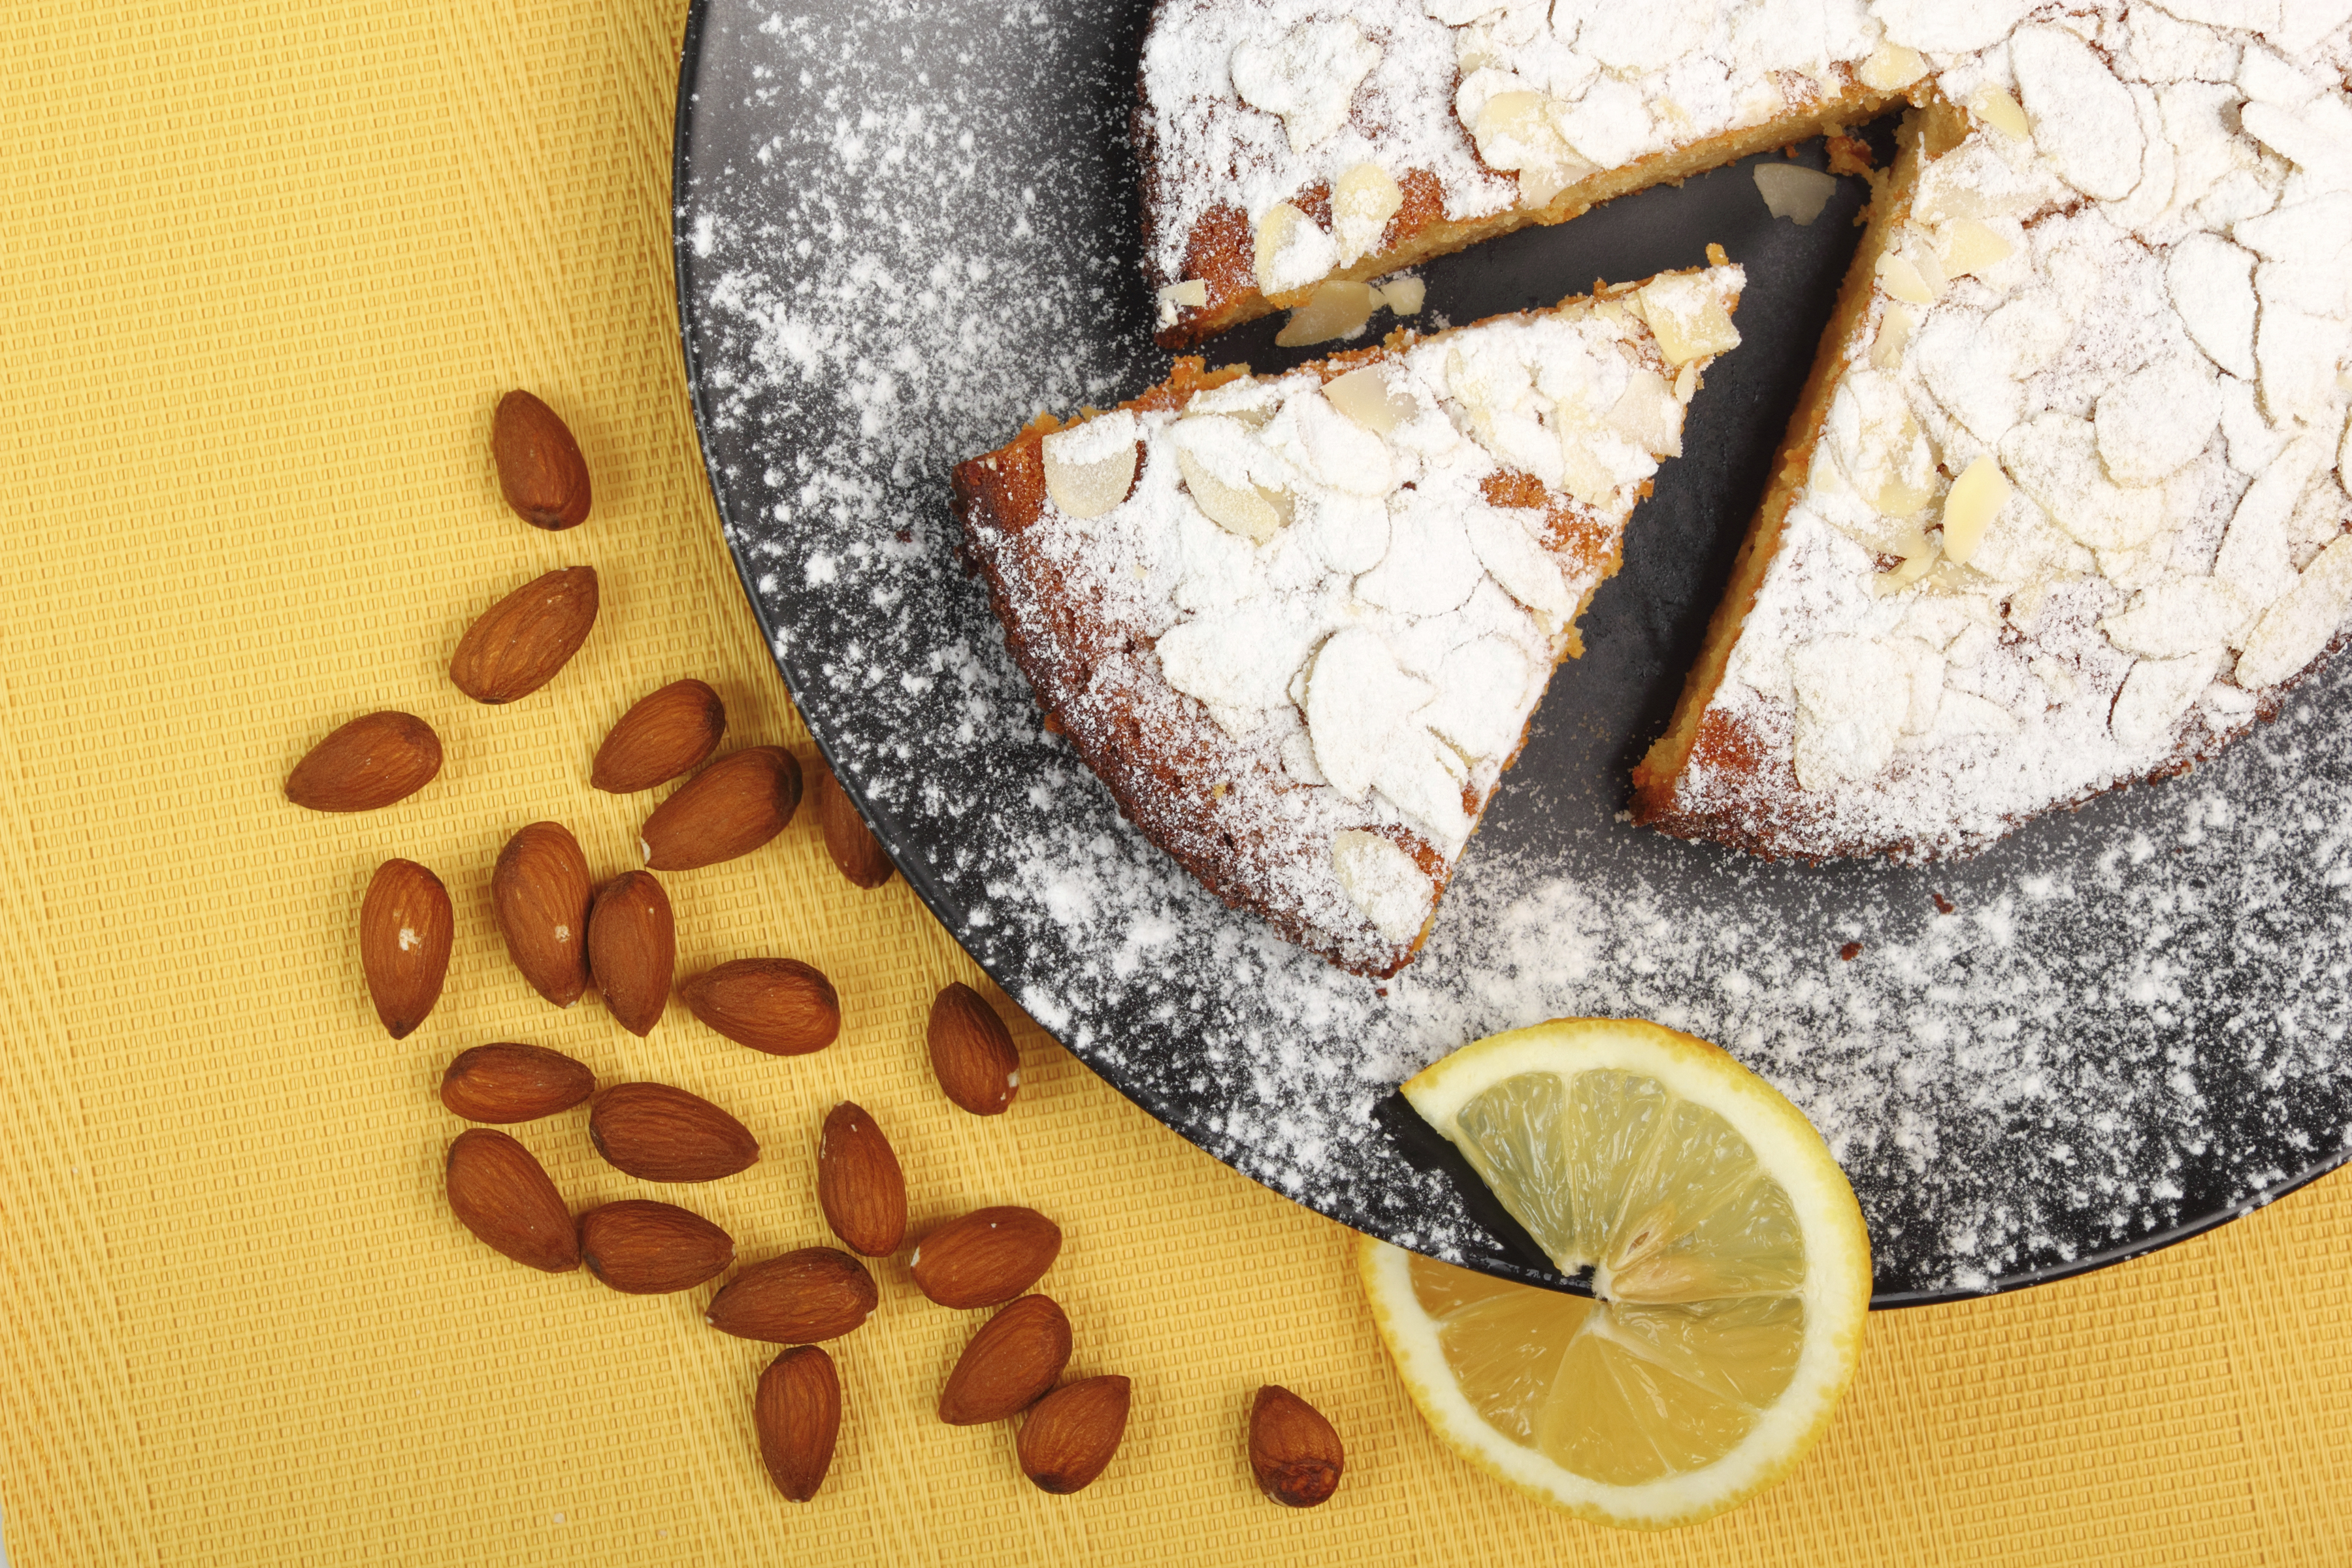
column 1726, row 1252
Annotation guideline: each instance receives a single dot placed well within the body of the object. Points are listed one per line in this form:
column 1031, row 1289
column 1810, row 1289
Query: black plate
column 900, row 232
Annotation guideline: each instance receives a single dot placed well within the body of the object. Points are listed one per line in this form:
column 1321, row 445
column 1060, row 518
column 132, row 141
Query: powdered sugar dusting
column 2135, row 1015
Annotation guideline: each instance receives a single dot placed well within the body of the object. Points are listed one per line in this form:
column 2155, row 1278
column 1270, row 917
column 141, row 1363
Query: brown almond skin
column 797, row 1413
column 648, row 1249
column 989, row 1256
column 518, row 643
column 501, row 1195
column 1009, row 1365
column 729, row 809
column 406, row 929
column 509, row 1083
column 972, row 1054
column 1293, row 1452
column 858, row 1182
column 371, row 762
column 669, row 732
column 663, row 1134
column 539, row 892
column 778, row 1005
column 632, row 950
column 815, row 1293
column 855, row 852
column 541, row 471
column 1072, row 1434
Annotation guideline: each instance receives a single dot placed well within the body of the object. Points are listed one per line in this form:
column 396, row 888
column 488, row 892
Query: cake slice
column 1293, row 156
column 1297, row 623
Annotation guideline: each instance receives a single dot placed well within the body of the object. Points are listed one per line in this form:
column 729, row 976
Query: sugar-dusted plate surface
column 902, row 231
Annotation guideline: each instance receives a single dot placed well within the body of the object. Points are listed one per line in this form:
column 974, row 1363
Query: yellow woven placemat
column 267, row 268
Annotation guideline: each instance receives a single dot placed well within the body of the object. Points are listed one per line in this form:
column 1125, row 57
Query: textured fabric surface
column 267, row 267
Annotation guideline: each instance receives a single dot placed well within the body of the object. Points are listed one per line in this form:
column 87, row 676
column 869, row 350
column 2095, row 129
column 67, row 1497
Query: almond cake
column 2062, row 507
column 1299, row 623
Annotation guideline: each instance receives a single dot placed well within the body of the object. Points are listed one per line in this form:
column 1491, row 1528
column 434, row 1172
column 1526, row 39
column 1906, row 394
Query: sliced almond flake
column 1247, row 511
column 2298, row 628
column 2082, row 116
column 2002, row 112
column 1419, row 775
column 1364, row 396
column 1358, row 696
column 2156, row 695
column 1899, row 278
column 1512, row 557
column 2154, row 422
column 1090, row 467
column 1688, row 317
column 1975, row 499
column 2180, row 616
column 1482, row 696
column 1649, row 415
column 1292, row 250
column 1893, row 335
column 1405, row 294
column 1913, row 567
column 2211, row 283
column 1362, row 201
column 1892, row 65
column 1386, row 885
column 1794, row 191
column 1192, row 294
column 2254, row 552
column 1337, row 308
column 1971, row 249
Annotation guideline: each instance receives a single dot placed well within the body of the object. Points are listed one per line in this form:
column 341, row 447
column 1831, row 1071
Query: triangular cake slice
column 1299, row 623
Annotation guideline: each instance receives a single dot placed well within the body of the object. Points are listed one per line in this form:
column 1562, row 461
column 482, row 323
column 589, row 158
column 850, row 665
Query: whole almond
column 541, row 471
column 663, row 1134
column 858, row 1182
column 648, row 1249
column 855, row 852
column 1072, row 1433
column 1293, row 1451
column 797, row 1413
column 518, row 643
column 503, row 1196
column 989, row 1256
column 729, row 809
column 539, row 892
column 371, row 761
column 773, row 1005
column 1014, row 1359
column 667, row 734
column 514, row 1083
column 406, row 931
column 972, row 1054
column 633, row 949
column 815, row 1293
